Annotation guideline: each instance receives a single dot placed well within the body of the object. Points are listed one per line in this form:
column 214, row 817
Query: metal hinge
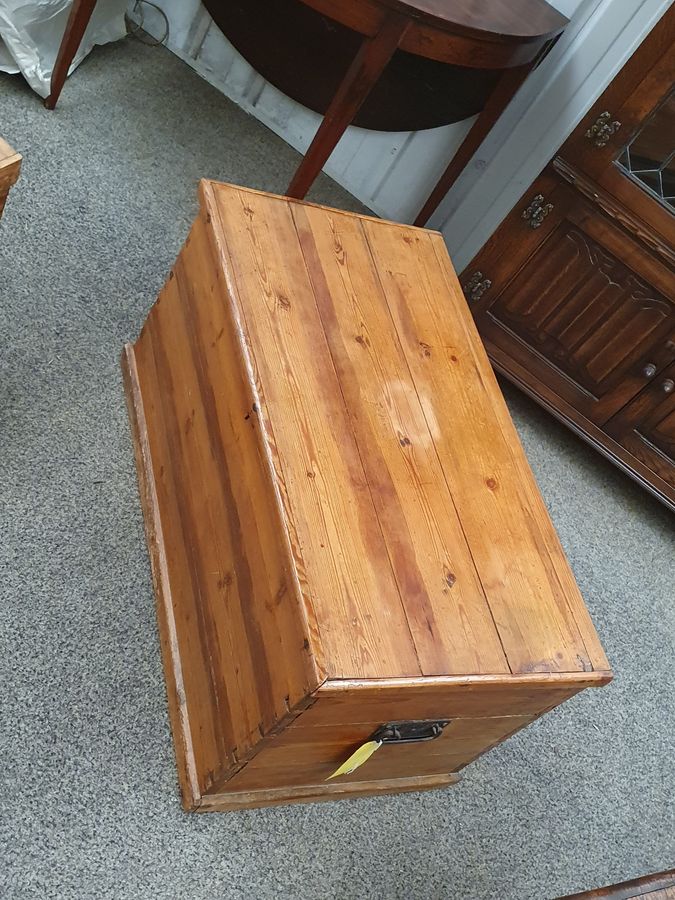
column 537, row 211
column 602, row 129
column 476, row 286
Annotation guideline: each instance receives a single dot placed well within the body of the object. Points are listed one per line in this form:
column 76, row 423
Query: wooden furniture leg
column 362, row 75
column 79, row 17
column 507, row 86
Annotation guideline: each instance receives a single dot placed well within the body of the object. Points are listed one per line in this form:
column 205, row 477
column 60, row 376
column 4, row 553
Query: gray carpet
column 89, row 797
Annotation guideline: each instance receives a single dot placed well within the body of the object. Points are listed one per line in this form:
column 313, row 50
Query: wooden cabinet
column 574, row 295
column 348, row 545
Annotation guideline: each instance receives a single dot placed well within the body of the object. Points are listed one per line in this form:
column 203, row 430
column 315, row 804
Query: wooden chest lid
column 420, row 542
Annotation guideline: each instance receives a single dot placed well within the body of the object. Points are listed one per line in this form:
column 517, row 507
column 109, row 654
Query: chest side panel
column 472, row 718
column 242, row 639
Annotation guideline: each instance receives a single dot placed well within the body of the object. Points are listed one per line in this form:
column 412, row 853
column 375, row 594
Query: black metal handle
column 410, row 732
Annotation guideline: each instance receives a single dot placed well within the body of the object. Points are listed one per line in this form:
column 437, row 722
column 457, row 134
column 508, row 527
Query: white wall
column 393, row 173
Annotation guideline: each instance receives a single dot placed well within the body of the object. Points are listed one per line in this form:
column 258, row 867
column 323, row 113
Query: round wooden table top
column 434, row 22
column 449, row 61
column 519, row 20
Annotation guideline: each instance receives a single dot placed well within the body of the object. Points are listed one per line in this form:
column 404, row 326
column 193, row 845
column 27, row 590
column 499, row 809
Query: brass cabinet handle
column 668, row 386
column 649, row 370
column 476, row 286
column 537, row 211
column 603, row 129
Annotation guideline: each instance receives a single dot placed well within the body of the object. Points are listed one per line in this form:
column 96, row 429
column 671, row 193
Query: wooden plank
column 568, row 601
column 166, row 615
column 207, row 741
column 10, row 161
column 310, row 755
column 340, row 553
column 535, row 603
column 244, row 645
column 546, row 630
column 445, row 604
column 10, row 166
column 321, row 792
column 440, row 698
column 212, row 557
column 271, row 609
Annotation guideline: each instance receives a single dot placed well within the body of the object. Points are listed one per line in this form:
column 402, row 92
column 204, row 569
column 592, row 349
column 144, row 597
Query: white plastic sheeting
column 31, row 33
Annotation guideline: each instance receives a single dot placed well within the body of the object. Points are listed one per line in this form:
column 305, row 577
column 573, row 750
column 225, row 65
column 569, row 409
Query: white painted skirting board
column 392, row 173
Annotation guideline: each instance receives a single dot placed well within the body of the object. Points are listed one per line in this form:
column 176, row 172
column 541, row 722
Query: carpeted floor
column 88, row 787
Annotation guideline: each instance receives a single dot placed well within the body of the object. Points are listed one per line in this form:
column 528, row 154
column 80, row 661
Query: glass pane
column 649, row 158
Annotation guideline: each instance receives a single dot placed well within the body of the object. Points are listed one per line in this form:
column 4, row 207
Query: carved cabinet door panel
column 646, row 427
column 589, row 314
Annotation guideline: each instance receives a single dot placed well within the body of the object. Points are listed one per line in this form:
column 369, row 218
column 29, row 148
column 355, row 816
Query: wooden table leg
column 506, row 87
column 374, row 54
column 79, row 17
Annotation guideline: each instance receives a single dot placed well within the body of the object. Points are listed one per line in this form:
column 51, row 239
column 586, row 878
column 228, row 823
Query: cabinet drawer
column 646, row 427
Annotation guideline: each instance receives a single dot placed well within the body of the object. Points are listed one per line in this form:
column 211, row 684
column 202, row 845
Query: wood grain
column 303, row 756
column 10, row 166
column 339, row 550
column 446, row 608
column 535, row 604
column 246, row 658
column 443, row 698
column 166, row 617
column 317, row 793
column 590, row 309
column 501, row 22
column 343, row 527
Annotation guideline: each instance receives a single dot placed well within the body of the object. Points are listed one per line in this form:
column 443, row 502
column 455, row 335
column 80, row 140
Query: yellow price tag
column 357, row 759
